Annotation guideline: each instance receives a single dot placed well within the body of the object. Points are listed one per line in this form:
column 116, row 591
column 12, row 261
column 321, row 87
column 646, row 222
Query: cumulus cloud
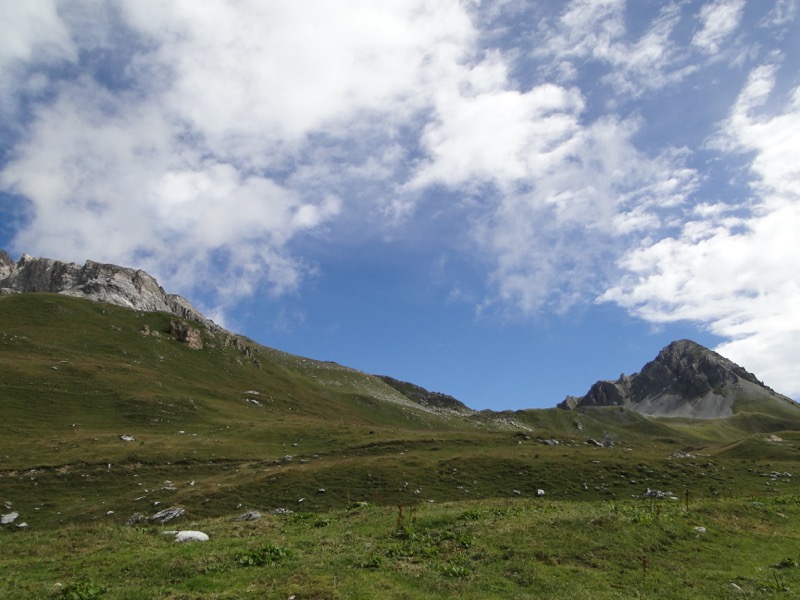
column 736, row 271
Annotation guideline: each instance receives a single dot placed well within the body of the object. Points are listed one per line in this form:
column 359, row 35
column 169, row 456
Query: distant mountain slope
column 685, row 380
column 425, row 398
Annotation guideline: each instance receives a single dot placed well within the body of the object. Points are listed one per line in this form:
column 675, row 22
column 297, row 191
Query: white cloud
column 596, row 29
column 737, row 275
column 33, row 31
column 254, row 77
column 556, row 195
column 719, row 19
column 782, row 13
column 29, row 31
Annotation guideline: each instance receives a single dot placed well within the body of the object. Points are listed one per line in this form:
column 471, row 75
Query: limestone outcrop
column 107, row 283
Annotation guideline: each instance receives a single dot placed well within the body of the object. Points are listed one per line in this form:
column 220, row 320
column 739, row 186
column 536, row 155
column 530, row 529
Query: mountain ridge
column 685, row 380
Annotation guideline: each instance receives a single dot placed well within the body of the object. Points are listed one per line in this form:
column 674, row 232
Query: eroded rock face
column 186, row 334
column 111, row 284
column 684, row 380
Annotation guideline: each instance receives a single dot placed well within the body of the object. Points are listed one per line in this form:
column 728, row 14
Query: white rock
column 540, row 493
column 126, row 438
column 9, row 518
column 191, row 536
column 700, row 529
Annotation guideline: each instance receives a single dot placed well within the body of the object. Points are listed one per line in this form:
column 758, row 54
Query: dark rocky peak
column 684, row 380
column 689, row 369
column 107, row 283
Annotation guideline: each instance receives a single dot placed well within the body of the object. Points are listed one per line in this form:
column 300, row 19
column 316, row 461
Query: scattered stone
column 321, row 491
column 539, row 493
column 9, row 518
column 699, row 529
column 736, row 588
column 516, row 492
column 250, row 515
column 166, row 515
column 593, row 442
column 126, row 438
column 282, row 511
column 608, row 441
column 22, row 526
column 288, row 458
column 659, row 495
column 550, row 442
column 681, row 454
column 136, row 519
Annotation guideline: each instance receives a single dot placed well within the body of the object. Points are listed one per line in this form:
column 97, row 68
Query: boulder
column 250, row 515
column 166, row 515
column 9, row 518
column 191, row 536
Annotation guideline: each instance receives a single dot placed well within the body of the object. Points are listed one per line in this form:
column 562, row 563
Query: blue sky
column 504, row 201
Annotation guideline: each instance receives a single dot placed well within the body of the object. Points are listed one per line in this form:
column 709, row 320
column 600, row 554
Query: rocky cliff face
column 100, row 282
column 685, row 380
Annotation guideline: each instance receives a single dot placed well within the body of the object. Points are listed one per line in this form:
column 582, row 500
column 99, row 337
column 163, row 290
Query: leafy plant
column 451, row 570
column 82, row 590
column 786, row 563
column 261, row 556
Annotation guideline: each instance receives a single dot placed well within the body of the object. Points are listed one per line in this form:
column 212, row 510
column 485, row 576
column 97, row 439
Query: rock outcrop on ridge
column 111, row 284
column 685, row 380
column 425, row 398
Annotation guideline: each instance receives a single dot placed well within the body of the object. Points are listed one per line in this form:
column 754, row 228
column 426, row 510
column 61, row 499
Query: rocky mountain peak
column 689, row 369
column 107, row 283
column 684, row 380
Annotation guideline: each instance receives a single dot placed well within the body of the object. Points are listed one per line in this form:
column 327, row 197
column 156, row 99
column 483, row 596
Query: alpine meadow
column 127, row 431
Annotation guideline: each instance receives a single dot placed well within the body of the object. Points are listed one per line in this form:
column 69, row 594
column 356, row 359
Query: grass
column 237, row 426
column 520, row 548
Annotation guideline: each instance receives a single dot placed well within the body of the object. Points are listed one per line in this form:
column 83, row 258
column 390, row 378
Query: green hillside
column 107, row 414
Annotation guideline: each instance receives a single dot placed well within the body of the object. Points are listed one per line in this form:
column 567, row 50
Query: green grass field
column 388, row 499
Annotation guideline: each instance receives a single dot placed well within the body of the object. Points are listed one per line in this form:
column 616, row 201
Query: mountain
column 685, row 380
column 108, row 411
column 106, row 283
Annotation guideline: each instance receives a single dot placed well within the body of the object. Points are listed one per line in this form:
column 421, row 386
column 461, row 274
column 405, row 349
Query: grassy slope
column 479, row 549
column 74, row 375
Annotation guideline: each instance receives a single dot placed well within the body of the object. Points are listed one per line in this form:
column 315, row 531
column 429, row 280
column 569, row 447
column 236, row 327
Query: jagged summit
column 111, row 284
column 684, row 380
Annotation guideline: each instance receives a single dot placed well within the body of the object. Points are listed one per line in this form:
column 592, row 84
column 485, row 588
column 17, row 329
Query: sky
column 503, row 201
